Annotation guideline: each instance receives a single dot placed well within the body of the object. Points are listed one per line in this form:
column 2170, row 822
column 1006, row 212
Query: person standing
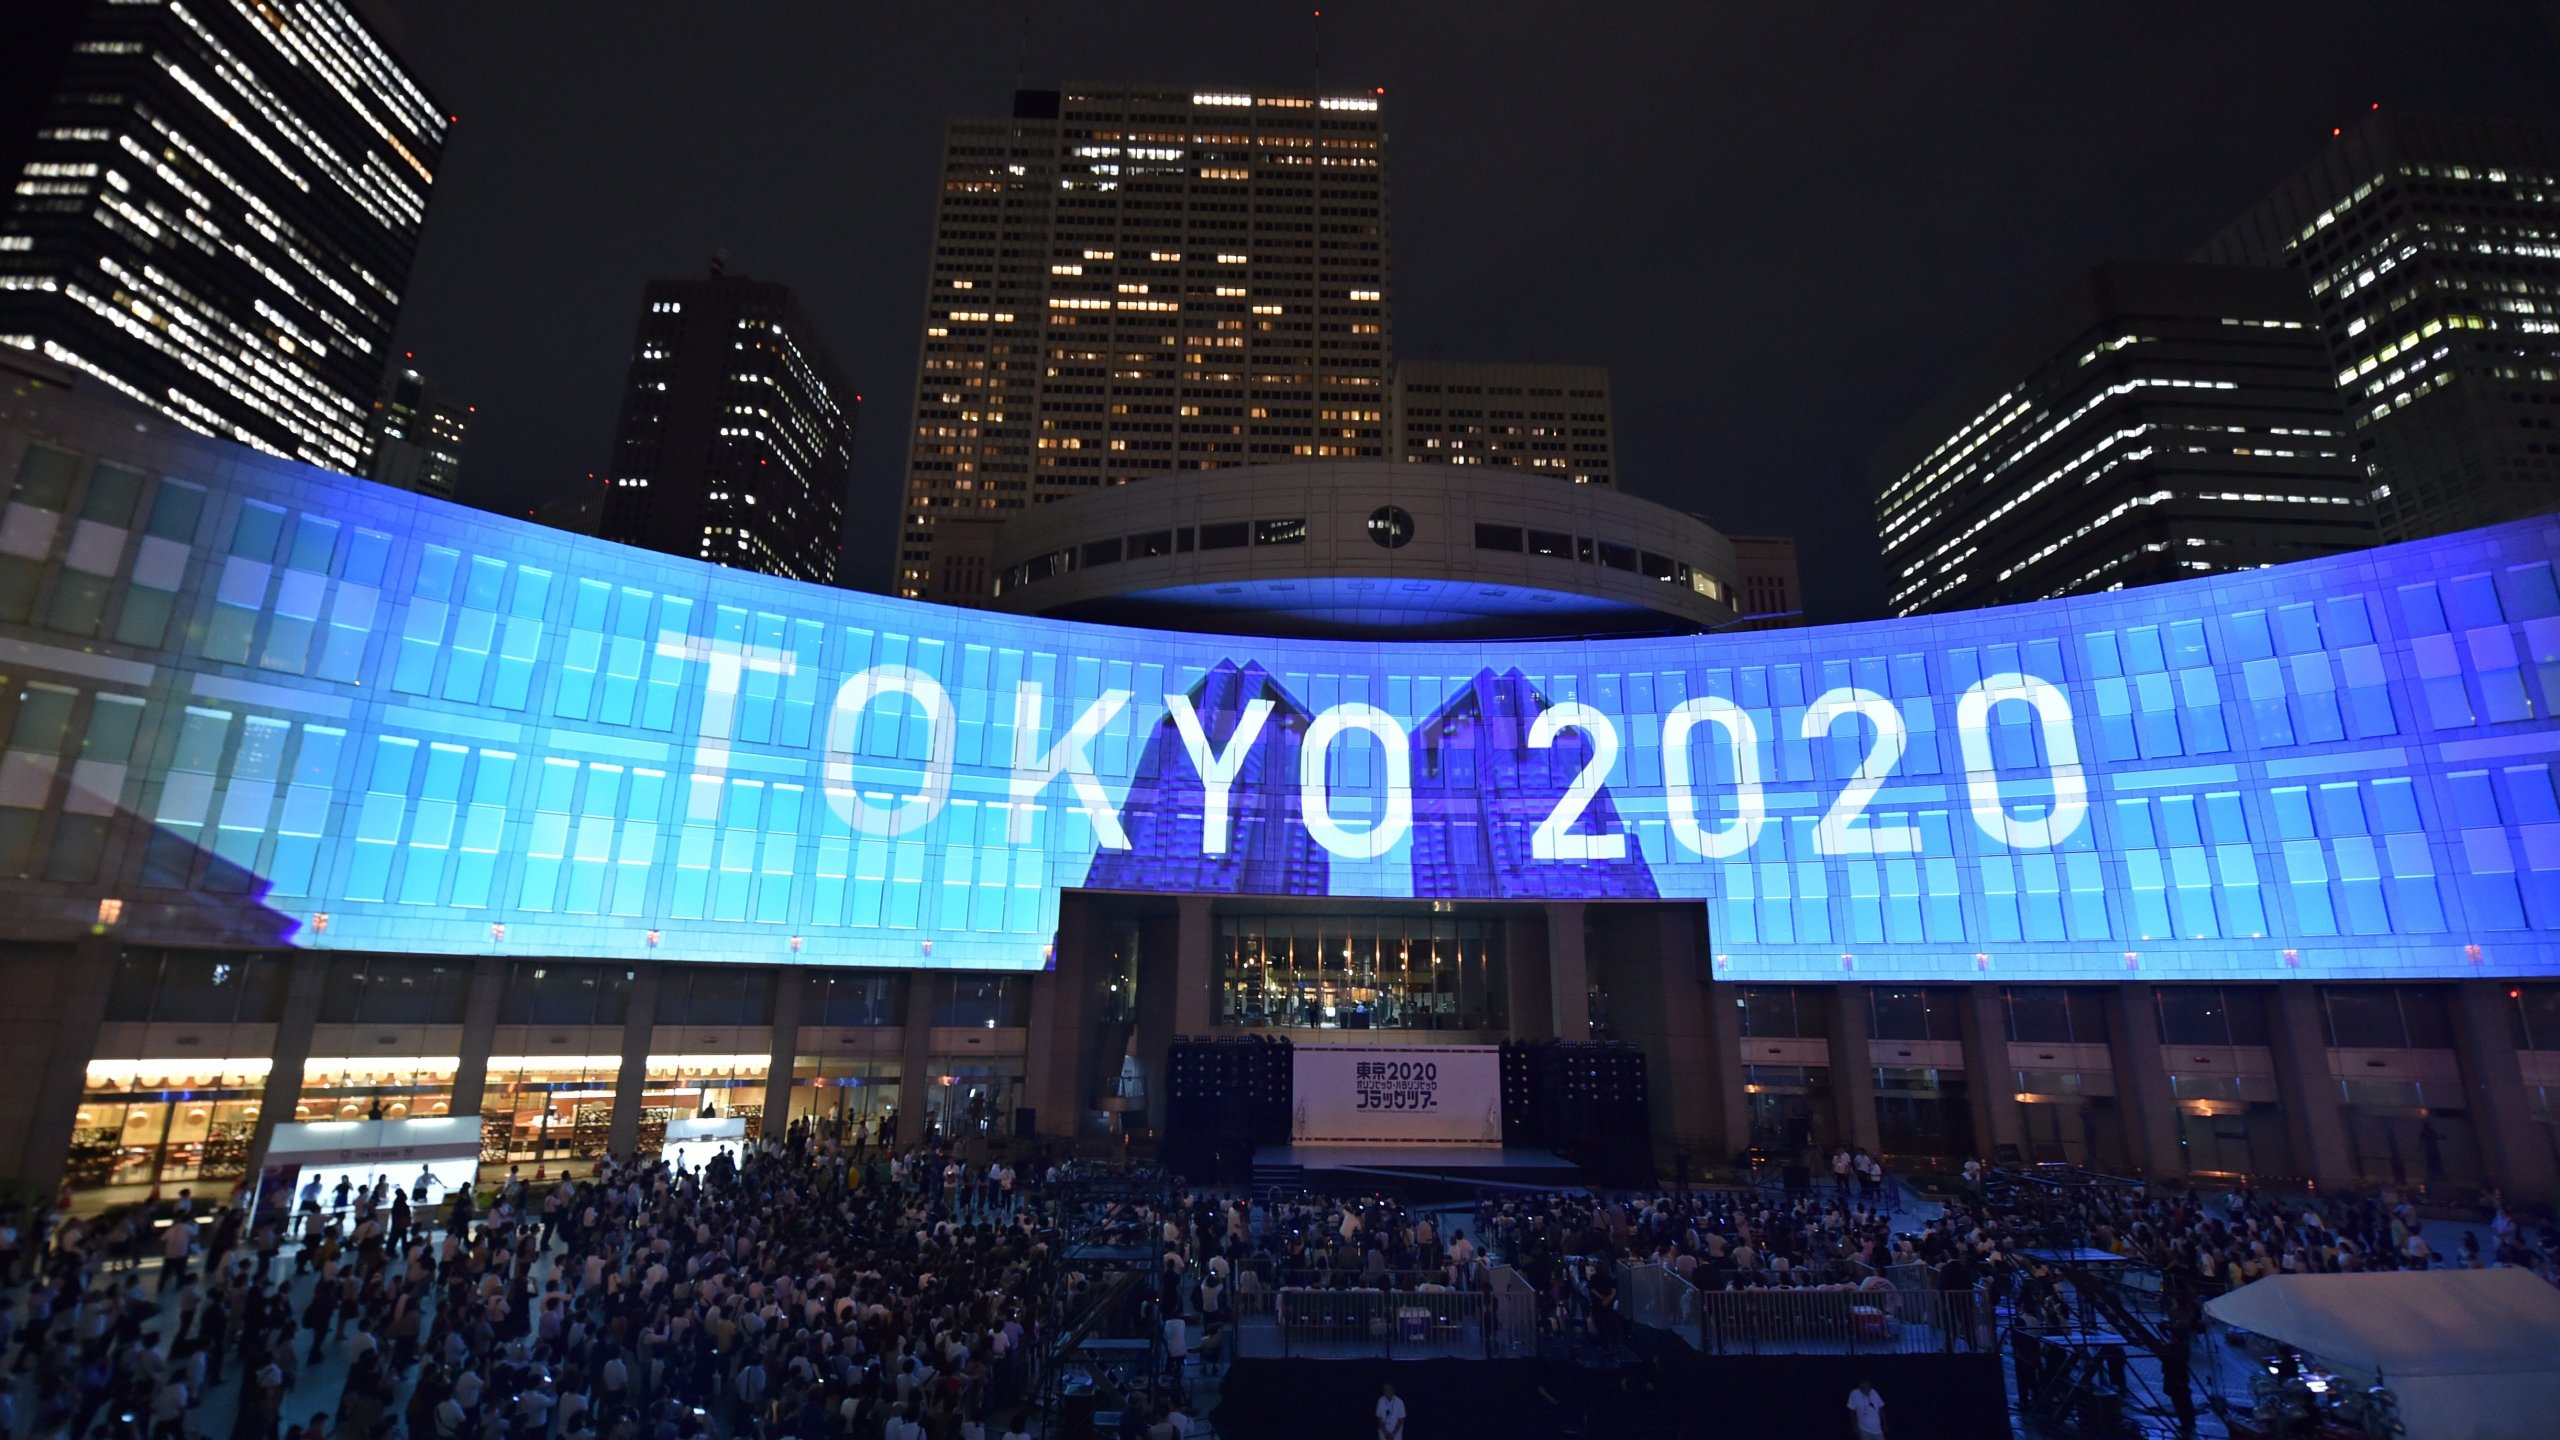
column 1390, row 1415
column 1866, row 1411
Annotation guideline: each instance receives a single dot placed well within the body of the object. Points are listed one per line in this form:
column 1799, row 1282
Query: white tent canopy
column 2471, row 1354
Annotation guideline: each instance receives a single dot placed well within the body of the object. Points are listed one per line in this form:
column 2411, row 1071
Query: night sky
column 1782, row 227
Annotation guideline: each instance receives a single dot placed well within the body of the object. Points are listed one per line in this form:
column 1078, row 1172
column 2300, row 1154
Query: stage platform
column 1490, row 1167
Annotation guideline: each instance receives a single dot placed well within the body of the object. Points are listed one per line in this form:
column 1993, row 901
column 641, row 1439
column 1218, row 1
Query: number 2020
column 1839, row 832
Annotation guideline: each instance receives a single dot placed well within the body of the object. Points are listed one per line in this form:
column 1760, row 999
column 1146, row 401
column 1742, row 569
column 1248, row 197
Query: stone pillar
column 1988, row 1076
column 1525, row 960
column 2314, row 1115
column 306, row 975
column 789, row 986
column 1724, row 1048
column 2142, row 1080
column 1159, row 996
column 1195, row 969
column 479, row 1033
column 1568, row 971
column 57, row 1001
column 1853, row 1068
column 2519, row 1163
column 1058, row 1054
column 1651, row 968
column 631, row 1082
column 915, row 1058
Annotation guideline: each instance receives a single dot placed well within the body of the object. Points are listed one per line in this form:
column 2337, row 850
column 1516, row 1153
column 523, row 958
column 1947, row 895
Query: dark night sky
column 1781, row 226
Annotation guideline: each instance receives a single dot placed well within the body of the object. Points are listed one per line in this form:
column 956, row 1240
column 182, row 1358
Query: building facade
column 217, row 213
column 1129, row 283
column 2153, row 422
column 735, row 442
column 315, row 798
column 1550, row 420
column 2429, row 247
column 416, row 436
column 1352, row 548
column 1771, row 587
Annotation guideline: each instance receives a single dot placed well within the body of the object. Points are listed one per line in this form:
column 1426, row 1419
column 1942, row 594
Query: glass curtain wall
column 400, row 995
column 546, row 1108
column 1362, row 972
column 176, row 1115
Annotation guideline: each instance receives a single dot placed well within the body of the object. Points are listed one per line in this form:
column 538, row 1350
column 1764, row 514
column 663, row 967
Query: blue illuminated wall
column 242, row 696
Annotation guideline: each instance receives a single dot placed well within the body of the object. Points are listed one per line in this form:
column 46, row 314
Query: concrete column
column 1568, row 971
column 1159, row 996
column 631, row 1082
column 915, row 1062
column 57, row 1001
column 2519, row 1163
column 1724, row 1047
column 1650, row 965
column 1525, row 959
column 2142, row 1080
column 2313, row 1117
column 789, row 986
column 1987, row 1071
column 1058, row 1058
column 1195, row 972
column 306, row 974
column 479, row 1033
column 1853, row 1069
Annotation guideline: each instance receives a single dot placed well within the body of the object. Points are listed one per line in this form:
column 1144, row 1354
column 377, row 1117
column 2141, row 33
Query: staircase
column 1267, row 1178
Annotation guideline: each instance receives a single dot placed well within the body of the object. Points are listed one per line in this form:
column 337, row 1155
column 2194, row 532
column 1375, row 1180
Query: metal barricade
column 1305, row 1323
column 1652, row 1295
column 1883, row 1321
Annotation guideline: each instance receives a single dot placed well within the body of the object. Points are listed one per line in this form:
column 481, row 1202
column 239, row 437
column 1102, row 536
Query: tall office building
column 1132, row 282
column 217, row 209
column 1771, row 590
column 416, row 437
column 2430, row 247
column 736, row 438
column 1546, row 419
column 2152, row 422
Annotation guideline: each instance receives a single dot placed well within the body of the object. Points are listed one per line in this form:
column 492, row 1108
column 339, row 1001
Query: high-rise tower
column 216, row 211
column 1133, row 282
column 736, row 438
column 2151, row 422
column 2430, row 247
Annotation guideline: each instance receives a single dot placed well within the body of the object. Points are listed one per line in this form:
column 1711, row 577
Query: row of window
column 1518, row 540
column 1180, row 540
column 210, row 987
column 2363, row 1017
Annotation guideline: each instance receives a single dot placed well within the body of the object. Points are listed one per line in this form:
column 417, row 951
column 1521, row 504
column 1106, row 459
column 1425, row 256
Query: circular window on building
column 1390, row 526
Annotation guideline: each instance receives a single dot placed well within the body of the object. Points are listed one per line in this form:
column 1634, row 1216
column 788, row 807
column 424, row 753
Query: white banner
column 1397, row 1094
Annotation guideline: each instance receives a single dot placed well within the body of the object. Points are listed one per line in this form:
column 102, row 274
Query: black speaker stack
column 1586, row 1101
column 1224, row 1097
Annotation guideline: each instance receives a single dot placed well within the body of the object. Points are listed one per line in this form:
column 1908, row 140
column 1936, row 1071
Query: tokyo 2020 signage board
column 250, row 701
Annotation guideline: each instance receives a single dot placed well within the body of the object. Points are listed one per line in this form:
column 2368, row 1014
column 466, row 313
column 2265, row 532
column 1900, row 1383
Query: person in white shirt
column 1866, row 1409
column 1390, row 1415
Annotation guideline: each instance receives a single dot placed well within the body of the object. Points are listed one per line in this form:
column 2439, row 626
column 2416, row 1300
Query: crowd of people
column 778, row 1295
column 811, row 1290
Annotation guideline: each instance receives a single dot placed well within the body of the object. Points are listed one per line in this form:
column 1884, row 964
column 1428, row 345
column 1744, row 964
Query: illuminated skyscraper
column 2430, row 247
column 417, row 434
column 736, row 438
column 1129, row 283
column 2152, row 422
column 1546, row 419
column 215, row 210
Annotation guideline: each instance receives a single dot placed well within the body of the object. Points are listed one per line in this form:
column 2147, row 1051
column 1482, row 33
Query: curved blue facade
column 251, row 701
